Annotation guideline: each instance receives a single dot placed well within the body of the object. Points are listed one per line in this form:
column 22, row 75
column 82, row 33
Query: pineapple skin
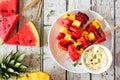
column 36, row 76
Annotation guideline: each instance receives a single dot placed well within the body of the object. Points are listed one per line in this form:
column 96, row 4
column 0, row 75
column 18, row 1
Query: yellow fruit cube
column 70, row 16
column 96, row 23
column 35, row 76
column 76, row 23
column 80, row 51
column 84, row 33
column 63, row 29
column 91, row 36
column 68, row 37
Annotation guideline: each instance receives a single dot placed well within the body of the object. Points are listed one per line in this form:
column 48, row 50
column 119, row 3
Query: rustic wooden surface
column 100, row 6
column 45, row 62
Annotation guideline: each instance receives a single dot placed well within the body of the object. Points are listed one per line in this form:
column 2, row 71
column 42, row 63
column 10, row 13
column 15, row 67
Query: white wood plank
column 50, row 66
column 32, row 58
column 4, row 51
column 78, row 4
column 117, row 41
column 102, row 6
column 58, row 6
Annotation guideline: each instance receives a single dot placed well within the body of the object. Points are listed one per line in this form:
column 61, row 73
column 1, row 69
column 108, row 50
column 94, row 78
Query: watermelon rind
column 35, row 32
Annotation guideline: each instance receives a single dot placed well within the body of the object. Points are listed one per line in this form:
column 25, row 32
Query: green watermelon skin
column 7, row 24
column 8, row 7
column 27, row 36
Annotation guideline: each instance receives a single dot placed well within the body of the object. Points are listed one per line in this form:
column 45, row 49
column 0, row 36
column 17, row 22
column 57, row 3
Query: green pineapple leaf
column 20, row 58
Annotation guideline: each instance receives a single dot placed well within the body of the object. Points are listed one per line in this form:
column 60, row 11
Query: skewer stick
column 72, row 5
column 91, row 5
column 39, row 11
column 112, row 29
column 106, row 15
column 30, row 5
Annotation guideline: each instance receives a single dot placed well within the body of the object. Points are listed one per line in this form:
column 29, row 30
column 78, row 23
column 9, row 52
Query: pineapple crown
column 11, row 65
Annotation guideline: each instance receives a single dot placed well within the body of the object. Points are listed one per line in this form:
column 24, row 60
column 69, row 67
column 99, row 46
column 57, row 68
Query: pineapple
column 11, row 65
column 69, row 16
column 76, row 23
column 36, row 76
column 96, row 23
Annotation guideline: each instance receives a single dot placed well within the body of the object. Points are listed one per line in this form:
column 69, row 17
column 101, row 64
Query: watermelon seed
column 30, row 41
column 12, row 11
column 5, row 19
column 0, row 21
column 8, row 25
column 6, row 11
column 2, row 11
column 18, row 42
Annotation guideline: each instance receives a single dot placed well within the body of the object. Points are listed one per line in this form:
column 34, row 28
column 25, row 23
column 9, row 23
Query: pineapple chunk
column 35, row 76
column 70, row 16
column 84, row 33
column 96, row 23
column 68, row 37
column 76, row 23
column 91, row 36
column 80, row 51
column 63, row 29
column 77, row 43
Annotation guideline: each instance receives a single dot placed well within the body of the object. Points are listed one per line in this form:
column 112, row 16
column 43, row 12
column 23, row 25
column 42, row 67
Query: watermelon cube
column 66, row 22
column 60, row 36
column 63, row 44
column 99, row 35
column 75, row 32
column 73, row 53
column 82, row 16
column 85, row 41
column 90, row 28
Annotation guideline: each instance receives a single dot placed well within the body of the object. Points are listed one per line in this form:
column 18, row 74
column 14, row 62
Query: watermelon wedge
column 7, row 24
column 27, row 36
column 8, row 7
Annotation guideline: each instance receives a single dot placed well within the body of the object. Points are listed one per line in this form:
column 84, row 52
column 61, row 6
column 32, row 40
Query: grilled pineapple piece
column 36, row 76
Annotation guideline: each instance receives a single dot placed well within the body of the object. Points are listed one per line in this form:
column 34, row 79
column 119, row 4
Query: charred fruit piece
column 66, row 23
column 75, row 32
column 60, row 36
column 73, row 53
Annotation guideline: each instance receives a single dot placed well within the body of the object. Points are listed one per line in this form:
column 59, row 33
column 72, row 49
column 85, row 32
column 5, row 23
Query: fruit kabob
column 73, row 39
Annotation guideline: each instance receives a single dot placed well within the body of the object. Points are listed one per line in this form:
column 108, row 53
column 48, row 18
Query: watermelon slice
column 27, row 36
column 7, row 24
column 8, row 7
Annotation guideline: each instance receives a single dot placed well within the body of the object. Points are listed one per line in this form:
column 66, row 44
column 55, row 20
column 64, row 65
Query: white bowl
column 53, row 43
column 101, row 70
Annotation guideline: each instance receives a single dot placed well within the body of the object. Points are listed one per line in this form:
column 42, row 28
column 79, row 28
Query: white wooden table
column 46, row 64
column 100, row 6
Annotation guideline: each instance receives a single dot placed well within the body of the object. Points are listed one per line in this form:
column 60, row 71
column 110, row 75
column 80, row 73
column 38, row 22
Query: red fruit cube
column 90, row 28
column 73, row 53
column 60, row 36
column 100, row 35
column 66, row 22
column 85, row 41
column 63, row 44
column 83, row 16
column 75, row 32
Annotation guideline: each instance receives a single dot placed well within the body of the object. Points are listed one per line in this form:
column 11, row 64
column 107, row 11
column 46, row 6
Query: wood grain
column 102, row 6
column 117, row 41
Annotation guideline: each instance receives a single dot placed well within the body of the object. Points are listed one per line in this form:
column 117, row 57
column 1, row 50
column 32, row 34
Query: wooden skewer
column 38, row 14
column 106, row 15
column 71, row 8
column 30, row 5
column 91, row 5
column 112, row 29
